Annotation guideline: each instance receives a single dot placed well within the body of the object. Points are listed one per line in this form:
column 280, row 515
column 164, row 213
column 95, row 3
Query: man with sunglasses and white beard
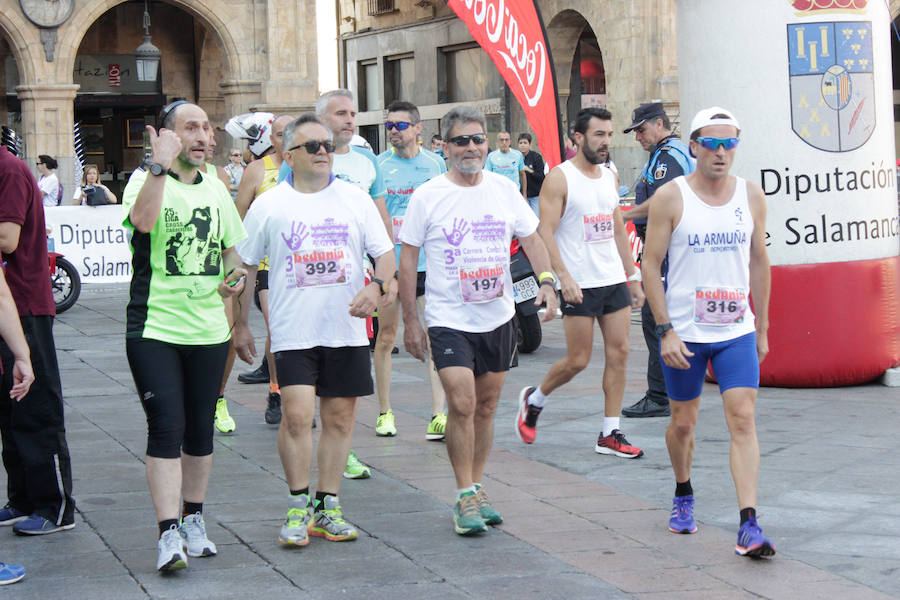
column 405, row 166
column 464, row 220
column 316, row 229
column 711, row 226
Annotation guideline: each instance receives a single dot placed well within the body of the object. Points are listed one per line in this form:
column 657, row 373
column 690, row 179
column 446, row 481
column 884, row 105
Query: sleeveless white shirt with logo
column 708, row 281
column 585, row 235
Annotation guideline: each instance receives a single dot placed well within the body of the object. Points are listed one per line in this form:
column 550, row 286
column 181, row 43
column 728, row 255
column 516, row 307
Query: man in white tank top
column 582, row 227
column 712, row 227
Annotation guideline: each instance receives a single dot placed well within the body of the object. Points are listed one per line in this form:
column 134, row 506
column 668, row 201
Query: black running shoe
column 258, row 375
column 646, row 407
column 273, row 410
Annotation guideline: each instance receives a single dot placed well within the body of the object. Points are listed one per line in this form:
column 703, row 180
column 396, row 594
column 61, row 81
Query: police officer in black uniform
column 669, row 158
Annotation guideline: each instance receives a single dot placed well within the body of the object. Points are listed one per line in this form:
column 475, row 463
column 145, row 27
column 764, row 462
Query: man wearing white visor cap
column 712, row 227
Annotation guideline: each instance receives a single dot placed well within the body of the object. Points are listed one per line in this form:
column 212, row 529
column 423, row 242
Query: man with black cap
column 669, row 158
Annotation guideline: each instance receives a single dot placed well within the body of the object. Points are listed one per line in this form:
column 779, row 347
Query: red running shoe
column 615, row 443
column 526, row 420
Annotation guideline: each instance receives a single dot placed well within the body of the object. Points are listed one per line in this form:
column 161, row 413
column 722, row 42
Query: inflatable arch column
column 810, row 81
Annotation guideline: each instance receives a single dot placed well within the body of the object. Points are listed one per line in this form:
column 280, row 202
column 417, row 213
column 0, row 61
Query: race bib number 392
column 483, row 284
column 719, row 305
column 598, row 228
column 318, row 268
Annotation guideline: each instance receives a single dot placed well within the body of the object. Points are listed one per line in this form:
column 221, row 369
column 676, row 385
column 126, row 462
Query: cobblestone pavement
column 577, row 524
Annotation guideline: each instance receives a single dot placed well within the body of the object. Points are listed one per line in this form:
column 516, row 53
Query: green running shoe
column 223, row 420
column 489, row 514
column 437, row 429
column 295, row 531
column 329, row 522
column 355, row 469
column 384, row 425
column 467, row 515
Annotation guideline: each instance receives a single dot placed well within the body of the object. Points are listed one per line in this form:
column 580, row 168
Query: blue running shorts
column 734, row 362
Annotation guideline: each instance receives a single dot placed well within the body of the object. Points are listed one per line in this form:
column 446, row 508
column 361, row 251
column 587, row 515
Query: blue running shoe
column 752, row 542
column 682, row 520
column 10, row 573
column 38, row 525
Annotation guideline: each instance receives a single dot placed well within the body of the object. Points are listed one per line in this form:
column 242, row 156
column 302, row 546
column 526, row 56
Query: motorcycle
column 525, row 289
column 65, row 282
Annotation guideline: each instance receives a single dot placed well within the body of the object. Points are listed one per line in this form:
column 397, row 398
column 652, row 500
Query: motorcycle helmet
column 255, row 127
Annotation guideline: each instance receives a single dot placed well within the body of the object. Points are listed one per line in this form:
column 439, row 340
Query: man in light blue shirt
column 508, row 162
column 404, row 167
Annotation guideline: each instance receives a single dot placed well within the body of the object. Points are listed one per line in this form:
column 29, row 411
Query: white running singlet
column 585, row 235
column 708, row 280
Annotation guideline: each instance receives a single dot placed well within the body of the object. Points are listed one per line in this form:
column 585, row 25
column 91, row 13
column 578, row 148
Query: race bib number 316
column 483, row 284
column 719, row 305
column 317, row 268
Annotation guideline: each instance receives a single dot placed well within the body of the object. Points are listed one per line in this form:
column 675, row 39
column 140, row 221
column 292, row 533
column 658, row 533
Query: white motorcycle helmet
column 255, row 127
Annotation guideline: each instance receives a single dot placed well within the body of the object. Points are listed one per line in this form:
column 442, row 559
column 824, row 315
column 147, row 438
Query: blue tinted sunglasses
column 399, row 125
column 713, row 143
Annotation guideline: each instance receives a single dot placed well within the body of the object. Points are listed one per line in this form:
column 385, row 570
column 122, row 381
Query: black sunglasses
column 463, row 140
column 313, row 146
column 399, row 125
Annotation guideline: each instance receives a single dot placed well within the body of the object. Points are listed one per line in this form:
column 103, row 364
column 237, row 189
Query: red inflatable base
column 833, row 324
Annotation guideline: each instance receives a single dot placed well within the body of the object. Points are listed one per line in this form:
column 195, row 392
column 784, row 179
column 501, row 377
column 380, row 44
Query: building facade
column 229, row 56
column 617, row 54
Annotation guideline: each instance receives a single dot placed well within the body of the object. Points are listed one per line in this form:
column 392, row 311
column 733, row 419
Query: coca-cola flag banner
column 513, row 35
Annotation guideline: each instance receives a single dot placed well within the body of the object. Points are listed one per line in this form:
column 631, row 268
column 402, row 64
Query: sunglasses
column 235, row 155
column 399, row 125
column 313, row 146
column 713, row 143
column 463, row 140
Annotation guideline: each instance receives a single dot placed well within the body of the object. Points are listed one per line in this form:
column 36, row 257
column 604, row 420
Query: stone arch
column 564, row 31
column 24, row 43
column 207, row 11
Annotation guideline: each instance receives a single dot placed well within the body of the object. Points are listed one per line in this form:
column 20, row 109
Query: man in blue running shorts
column 711, row 225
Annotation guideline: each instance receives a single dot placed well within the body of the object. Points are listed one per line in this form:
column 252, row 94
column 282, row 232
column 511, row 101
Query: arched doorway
column 113, row 106
column 579, row 63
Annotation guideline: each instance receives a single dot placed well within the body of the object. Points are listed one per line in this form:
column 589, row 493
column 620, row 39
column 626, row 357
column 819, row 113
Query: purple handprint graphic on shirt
column 298, row 234
column 460, row 229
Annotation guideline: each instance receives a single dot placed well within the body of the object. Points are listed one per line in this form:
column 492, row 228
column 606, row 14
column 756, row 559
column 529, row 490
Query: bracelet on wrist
column 546, row 275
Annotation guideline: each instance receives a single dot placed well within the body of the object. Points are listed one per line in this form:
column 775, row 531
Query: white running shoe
column 171, row 551
column 193, row 530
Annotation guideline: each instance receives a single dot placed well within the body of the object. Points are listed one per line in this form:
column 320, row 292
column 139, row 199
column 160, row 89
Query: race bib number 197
column 483, row 284
column 317, row 268
column 719, row 305
column 598, row 228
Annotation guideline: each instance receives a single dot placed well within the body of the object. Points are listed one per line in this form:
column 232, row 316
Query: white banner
column 93, row 239
column 810, row 83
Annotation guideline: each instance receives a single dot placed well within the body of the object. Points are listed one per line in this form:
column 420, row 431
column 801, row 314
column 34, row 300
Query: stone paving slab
column 577, row 525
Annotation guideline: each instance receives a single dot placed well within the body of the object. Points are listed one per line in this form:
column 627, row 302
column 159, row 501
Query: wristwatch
column 156, row 169
column 661, row 329
column 380, row 285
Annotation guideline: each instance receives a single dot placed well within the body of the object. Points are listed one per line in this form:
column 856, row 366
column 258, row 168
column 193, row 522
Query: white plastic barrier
column 93, row 239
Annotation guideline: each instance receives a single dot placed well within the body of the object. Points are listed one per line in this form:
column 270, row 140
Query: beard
column 596, row 157
column 466, row 168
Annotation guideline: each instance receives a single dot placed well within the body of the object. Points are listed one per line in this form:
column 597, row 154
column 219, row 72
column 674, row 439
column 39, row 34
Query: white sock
column 537, row 398
column 462, row 491
column 610, row 423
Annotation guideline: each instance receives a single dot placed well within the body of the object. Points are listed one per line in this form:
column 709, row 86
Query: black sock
column 320, row 498
column 684, row 488
column 166, row 524
column 746, row 513
column 191, row 508
column 298, row 492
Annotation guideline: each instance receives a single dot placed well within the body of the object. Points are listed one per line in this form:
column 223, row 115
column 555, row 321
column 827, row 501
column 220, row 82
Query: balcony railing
column 380, row 7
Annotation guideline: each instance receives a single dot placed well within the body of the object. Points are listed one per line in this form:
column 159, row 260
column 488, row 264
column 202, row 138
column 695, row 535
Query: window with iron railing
column 380, row 7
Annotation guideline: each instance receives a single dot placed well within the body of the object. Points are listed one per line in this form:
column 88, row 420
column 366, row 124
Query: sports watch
column 156, row 169
column 380, row 285
column 661, row 329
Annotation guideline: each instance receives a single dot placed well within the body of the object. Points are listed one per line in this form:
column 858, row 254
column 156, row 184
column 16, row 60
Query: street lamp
column 146, row 56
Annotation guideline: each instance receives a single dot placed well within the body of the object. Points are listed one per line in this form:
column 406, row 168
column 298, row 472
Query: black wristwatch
column 156, row 169
column 380, row 285
column 661, row 329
